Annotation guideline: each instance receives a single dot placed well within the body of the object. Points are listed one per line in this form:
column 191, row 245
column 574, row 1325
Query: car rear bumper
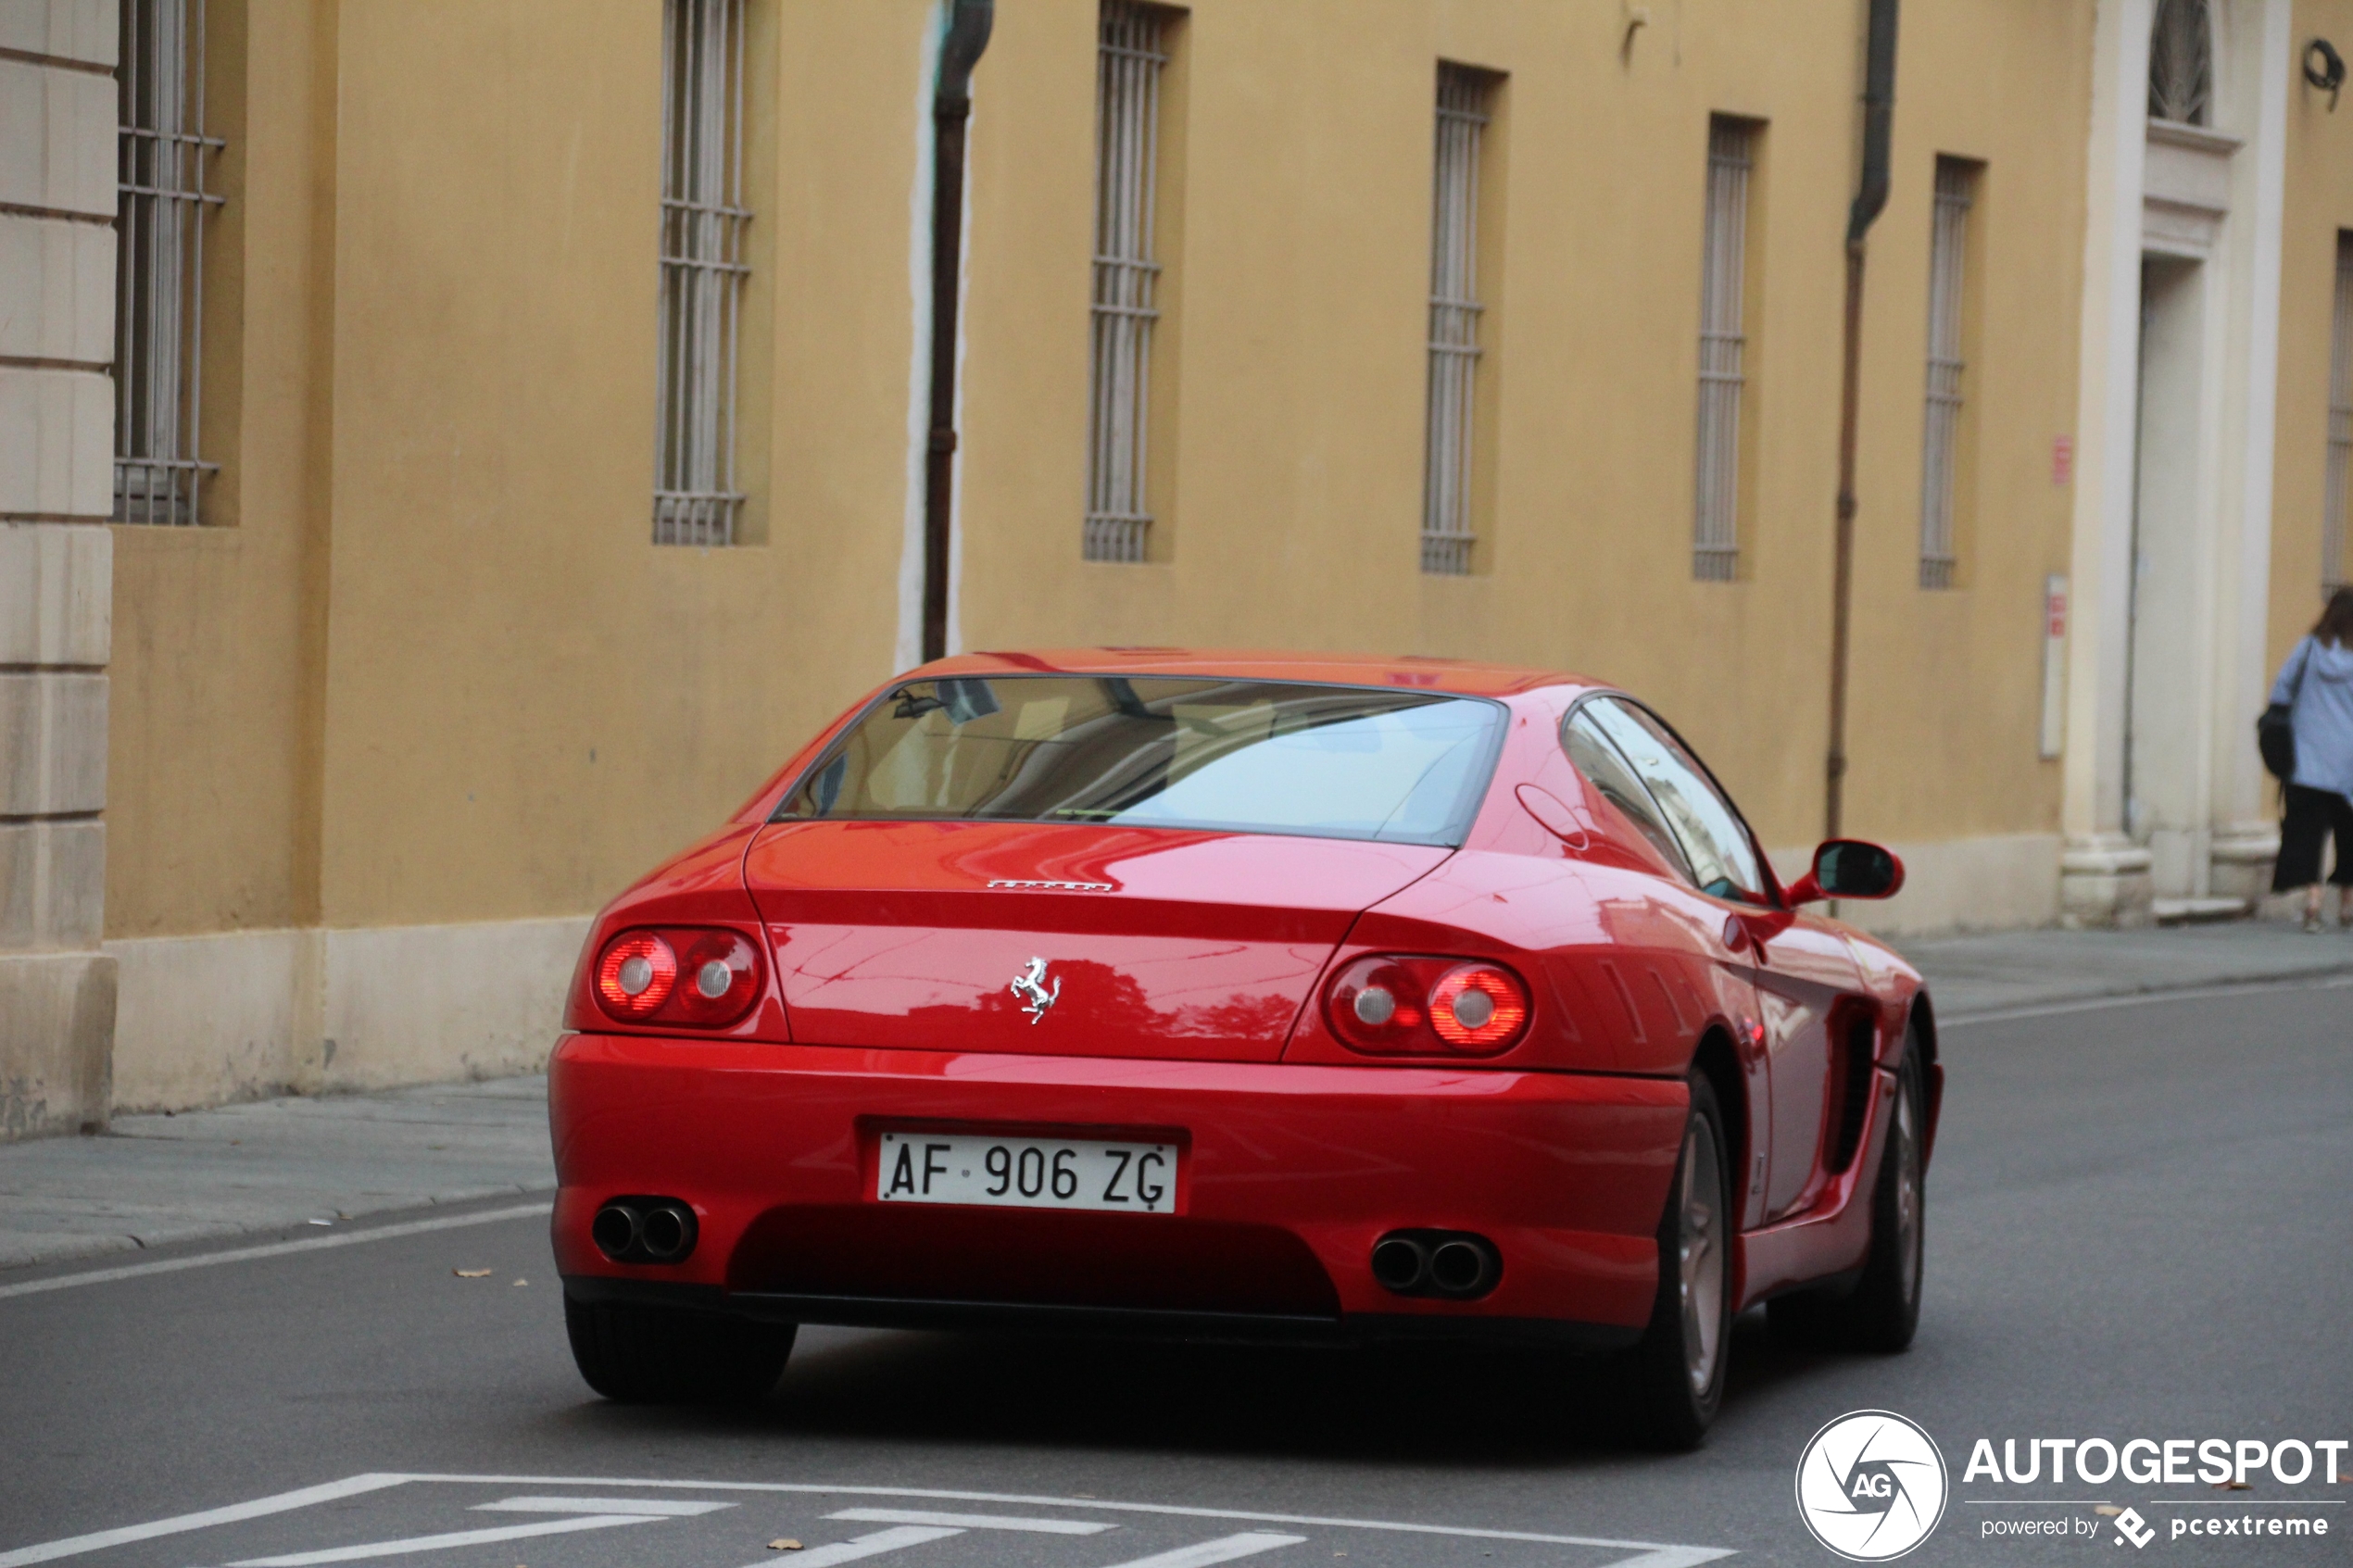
column 1289, row 1174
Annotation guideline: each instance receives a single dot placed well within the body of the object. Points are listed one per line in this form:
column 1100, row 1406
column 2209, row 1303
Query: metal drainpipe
column 1879, row 119
column 951, row 106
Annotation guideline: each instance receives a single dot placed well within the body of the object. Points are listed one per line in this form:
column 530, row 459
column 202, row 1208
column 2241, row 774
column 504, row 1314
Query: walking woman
column 2317, row 684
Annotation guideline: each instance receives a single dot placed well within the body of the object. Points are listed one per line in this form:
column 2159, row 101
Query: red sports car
column 1240, row 997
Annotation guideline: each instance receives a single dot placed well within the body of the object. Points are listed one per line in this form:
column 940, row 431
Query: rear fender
column 1617, row 983
column 703, row 886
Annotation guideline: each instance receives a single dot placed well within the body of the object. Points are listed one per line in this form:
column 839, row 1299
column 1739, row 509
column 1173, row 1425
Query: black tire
column 1674, row 1378
column 649, row 1356
column 1881, row 1311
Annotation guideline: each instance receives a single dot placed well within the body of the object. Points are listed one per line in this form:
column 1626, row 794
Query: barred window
column 1464, row 96
column 1723, row 289
column 163, row 160
column 2333, row 573
column 703, row 216
column 1130, row 55
column 1940, row 449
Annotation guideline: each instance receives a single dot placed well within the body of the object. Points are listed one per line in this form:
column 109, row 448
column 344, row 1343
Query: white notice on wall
column 2054, row 664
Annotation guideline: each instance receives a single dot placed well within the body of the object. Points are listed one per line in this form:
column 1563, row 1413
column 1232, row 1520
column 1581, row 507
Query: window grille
column 703, row 217
column 1454, row 310
column 2181, row 62
column 1947, row 252
column 162, row 162
column 1722, row 381
column 1129, row 58
column 2333, row 573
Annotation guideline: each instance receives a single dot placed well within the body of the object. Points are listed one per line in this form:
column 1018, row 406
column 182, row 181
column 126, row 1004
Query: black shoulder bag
column 2276, row 731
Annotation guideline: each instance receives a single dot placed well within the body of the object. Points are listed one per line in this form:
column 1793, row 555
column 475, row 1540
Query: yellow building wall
column 1303, row 278
column 426, row 694
column 2319, row 206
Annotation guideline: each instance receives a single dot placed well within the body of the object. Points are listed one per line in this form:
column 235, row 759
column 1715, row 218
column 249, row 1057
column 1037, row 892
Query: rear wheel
column 650, row 1355
column 1882, row 1310
column 1676, row 1374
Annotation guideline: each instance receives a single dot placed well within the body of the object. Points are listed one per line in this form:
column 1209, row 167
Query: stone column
column 2104, row 873
column 57, row 488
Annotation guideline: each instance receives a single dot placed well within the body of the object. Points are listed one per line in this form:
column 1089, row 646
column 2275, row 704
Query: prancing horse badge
column 1031, row 988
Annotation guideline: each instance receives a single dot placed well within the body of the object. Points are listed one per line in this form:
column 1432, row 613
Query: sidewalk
column 2012, row 969
column 269, row 1166
column 279, row 1164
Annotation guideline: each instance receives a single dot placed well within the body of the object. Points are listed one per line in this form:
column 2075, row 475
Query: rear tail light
column 1402, row 1006
column 703, row 977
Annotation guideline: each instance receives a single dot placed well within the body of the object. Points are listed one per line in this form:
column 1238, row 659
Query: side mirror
column 1849, row 868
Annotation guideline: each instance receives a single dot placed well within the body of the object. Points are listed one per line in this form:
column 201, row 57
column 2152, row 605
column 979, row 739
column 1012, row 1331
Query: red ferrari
column 1241, row 996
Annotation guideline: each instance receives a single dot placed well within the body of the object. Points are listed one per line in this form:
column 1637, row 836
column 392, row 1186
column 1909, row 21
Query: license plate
column 1136, row 1178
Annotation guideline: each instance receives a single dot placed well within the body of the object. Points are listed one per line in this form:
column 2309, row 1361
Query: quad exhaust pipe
column 645, row 1230
column 1455, row 1264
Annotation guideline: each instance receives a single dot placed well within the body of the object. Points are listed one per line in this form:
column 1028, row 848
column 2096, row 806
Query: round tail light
column 705, row 977
column 1477, row 1006
column 636, row 975
column 1388, row 1005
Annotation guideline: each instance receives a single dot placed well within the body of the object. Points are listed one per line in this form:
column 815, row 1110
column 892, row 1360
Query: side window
column 1722, row 859
column 1607, row 772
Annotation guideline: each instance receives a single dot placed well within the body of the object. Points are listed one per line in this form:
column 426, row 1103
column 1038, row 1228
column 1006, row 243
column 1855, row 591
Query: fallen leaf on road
column 471, row 1274
column 319, row 1222
column 522, row 1282
column 784, row 1543
column 2108, row 1511
column 2233, row 1485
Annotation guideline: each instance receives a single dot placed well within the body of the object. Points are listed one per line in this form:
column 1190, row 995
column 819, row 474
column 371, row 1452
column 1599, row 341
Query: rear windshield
column 1239, row 756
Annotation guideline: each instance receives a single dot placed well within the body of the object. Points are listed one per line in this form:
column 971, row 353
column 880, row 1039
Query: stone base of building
column 2105, row 882
column 244, row 1014
column 56, row 1033
column 2241, row 860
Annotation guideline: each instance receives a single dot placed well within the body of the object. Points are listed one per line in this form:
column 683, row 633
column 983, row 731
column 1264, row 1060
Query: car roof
column 1466, row 677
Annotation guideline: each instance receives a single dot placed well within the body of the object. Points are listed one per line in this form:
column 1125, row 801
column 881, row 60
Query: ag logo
column 1871, row 1485
column 2130, row 1526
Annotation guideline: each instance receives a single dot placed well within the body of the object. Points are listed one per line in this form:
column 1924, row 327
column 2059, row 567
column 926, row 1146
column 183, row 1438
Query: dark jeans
column 2313, row 815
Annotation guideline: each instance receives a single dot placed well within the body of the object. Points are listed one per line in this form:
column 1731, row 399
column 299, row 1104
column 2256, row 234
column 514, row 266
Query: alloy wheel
column 1702, row 1253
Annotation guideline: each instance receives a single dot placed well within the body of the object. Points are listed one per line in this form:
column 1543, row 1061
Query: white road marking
column 1648, row 1554
column 272, row 1249
column 1651, row 1551
column 74, row 1545
column 862, row 1546
column 663, row 1507
column 971, row 1521
column 452, row 1539
column 1224, row 1548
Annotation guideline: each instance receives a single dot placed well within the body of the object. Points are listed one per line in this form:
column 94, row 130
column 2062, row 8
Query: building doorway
column 2165, row 697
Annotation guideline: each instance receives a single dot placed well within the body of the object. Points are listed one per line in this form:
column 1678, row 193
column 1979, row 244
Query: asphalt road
column 2138, row 1227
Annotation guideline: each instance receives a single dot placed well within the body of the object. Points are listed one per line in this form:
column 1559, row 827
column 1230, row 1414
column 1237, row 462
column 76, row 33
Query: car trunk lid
column 1142, row 942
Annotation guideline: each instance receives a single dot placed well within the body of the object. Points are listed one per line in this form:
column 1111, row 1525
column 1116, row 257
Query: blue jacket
column 2318, row 678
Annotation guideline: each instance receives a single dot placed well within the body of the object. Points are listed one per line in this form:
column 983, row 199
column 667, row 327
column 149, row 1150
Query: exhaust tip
column 615, row 1230
column 640, row 1229
column 1461, row 1267
column 1400, row 1262
column 667, row 1232
column 1454, row 1264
